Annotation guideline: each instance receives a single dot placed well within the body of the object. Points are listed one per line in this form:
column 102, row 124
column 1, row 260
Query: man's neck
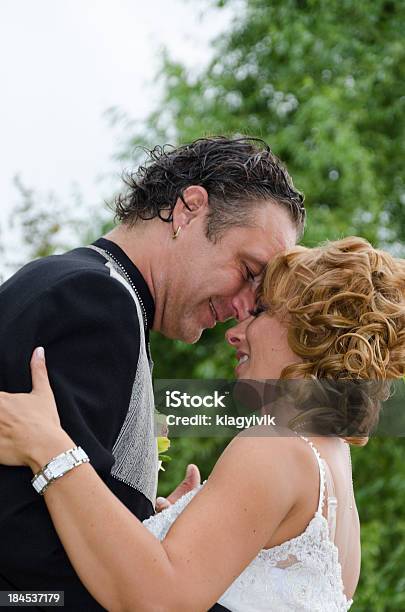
column 144, row 244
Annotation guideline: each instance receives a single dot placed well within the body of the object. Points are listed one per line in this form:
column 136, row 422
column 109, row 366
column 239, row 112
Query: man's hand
column 192, row 480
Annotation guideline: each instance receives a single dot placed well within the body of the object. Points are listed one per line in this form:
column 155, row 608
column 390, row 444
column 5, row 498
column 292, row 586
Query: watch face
column 60, row 465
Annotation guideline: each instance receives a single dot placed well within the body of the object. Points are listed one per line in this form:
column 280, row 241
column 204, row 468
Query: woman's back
column 334, row 454
column 303, row 570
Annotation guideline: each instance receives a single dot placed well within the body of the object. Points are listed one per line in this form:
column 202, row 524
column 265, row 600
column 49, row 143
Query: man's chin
column 192, row 338
column 191, row 335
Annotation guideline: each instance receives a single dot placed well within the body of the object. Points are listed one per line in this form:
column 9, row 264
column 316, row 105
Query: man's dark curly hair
column 236, row 173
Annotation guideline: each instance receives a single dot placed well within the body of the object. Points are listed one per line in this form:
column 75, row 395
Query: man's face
column 212, row 282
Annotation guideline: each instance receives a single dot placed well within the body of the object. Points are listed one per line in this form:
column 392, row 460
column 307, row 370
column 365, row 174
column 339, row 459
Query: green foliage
column 379, row 483
column 47, row 224
column 324, row 84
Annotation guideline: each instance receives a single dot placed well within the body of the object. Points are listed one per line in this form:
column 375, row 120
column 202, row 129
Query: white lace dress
column 301, row 574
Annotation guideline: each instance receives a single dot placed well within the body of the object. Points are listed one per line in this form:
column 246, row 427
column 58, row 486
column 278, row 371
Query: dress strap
column 325, row 481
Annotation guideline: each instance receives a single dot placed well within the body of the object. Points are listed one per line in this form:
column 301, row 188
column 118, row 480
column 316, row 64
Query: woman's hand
column 30, row 428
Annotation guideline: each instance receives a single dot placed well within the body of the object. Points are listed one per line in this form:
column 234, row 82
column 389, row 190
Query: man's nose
column 244, row 301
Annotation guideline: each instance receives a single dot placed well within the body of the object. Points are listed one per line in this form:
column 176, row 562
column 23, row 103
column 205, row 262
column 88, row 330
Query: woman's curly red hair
column 344, row 306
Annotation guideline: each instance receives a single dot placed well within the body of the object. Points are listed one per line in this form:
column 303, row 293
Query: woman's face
column 261, row 346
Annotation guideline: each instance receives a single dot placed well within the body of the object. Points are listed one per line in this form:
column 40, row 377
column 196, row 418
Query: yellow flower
column 163, row 444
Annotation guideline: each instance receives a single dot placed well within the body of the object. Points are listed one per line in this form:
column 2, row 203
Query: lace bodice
column 301, row 574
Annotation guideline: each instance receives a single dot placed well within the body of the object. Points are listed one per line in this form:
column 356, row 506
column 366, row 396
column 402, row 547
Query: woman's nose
column 231, row 338
column 235, row 335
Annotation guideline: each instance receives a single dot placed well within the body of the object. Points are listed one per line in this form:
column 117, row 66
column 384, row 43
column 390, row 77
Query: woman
column 262, row 533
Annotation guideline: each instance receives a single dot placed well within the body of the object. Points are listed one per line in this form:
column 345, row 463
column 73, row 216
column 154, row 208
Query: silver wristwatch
column 57, row 467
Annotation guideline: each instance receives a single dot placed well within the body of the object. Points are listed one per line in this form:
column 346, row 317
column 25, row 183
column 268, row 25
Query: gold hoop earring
column 176, row 233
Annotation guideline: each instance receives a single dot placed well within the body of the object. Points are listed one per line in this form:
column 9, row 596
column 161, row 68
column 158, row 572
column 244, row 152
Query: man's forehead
column 265, row 244
column 257, row 256
column 275, row 224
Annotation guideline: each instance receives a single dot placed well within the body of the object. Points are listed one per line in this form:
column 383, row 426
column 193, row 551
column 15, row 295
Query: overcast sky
column 63, row 63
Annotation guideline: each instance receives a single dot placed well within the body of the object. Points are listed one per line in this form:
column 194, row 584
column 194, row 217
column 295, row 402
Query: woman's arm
column 123, row 565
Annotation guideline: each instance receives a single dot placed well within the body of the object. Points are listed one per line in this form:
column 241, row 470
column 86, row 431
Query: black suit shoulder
column 44, row 274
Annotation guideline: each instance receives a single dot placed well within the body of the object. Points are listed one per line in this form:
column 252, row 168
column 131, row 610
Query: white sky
column 63, row 63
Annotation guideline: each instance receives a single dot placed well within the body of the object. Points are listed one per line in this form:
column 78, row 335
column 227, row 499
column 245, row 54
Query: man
column 196, row 229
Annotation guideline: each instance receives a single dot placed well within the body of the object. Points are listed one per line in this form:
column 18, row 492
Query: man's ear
column 195, row 205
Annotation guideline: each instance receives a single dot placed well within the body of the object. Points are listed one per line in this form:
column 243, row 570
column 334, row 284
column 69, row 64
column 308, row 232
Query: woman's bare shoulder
column 267, row 458
column 270, row 441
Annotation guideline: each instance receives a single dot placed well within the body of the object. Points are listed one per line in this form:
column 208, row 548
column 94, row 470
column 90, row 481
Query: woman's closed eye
column 255, row 312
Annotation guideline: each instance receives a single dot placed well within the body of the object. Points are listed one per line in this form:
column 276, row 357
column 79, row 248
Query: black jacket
column 89, row 327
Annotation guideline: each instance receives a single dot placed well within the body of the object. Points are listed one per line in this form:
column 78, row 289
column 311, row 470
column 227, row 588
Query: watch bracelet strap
column 61, row 464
